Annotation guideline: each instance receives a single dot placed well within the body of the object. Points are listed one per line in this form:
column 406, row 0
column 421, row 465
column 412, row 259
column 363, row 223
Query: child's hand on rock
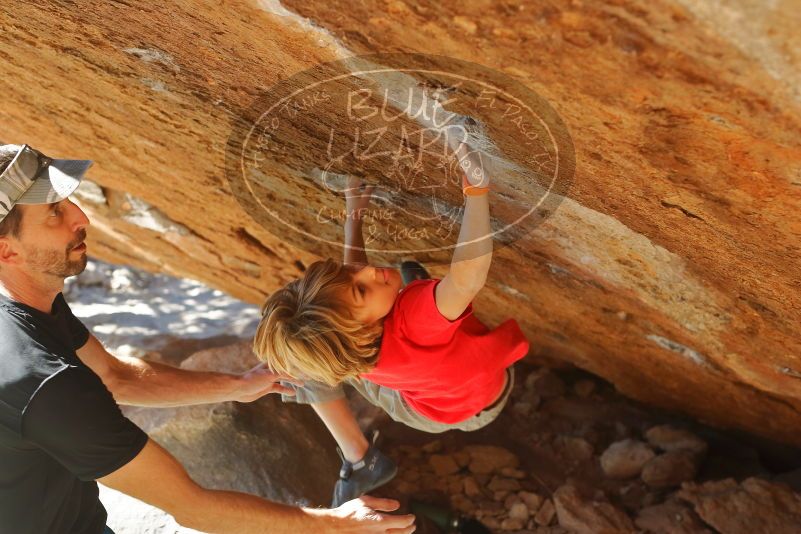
column 475, row 179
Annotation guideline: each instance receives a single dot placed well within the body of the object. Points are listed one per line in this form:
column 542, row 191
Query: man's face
column 372, row 292
column 51, row 239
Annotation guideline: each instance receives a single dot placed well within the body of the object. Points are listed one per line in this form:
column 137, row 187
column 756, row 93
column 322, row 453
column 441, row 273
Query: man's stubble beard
column 58, row 264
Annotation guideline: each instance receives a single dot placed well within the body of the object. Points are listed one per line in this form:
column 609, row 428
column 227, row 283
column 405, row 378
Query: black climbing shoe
column 372, row 471
column 411, row 271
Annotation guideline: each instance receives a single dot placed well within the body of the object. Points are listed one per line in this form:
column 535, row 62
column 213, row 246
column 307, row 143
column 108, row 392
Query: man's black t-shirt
column 60, row 428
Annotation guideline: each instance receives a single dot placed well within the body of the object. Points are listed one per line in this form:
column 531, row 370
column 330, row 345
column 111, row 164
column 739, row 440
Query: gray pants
column 392, row 402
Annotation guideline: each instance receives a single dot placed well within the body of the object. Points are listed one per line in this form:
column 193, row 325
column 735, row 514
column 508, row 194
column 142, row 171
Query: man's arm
column 473, row 255
column 144, row 383
column 228, row 511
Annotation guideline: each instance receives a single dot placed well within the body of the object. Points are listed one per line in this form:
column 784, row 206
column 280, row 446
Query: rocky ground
column 569, row 454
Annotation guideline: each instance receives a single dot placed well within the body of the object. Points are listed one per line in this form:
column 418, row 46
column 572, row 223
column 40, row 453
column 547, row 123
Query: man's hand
column 364, row 516
column 258, row 382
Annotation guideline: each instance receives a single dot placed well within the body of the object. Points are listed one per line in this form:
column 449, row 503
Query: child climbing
column 416, row 351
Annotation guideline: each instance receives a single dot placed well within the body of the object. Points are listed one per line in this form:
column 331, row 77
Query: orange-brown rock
column 671, row 268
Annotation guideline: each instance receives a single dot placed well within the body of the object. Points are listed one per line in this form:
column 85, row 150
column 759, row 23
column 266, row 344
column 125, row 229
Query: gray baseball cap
column 33, row 178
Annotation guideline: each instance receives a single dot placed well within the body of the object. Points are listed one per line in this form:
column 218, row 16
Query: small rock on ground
column 670, row 438
column 585, row 516
column 626, row 458
column 670, row 469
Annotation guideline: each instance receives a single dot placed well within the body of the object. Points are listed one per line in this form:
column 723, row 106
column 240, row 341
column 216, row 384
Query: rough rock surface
column 669, row 438
column 672, row 267
column 754, row 505
column 586, row 516
column 672, row 517
column 626, row 458
column 264, row 447
column 671, row 469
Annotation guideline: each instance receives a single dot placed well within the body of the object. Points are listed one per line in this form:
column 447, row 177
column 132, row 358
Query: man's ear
column 8, row 253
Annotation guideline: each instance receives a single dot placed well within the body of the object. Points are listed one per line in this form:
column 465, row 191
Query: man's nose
column 79, row 219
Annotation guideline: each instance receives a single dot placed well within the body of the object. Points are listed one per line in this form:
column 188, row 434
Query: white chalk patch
column 321, row 36
column 608, row 250
column 156, row 85
column 684, row 350
column 153, row 55
column 90, row 192
column 144, row 215
column 514, row 292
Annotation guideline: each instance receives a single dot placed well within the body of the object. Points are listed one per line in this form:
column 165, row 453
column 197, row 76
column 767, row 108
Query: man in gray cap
column 60, row 426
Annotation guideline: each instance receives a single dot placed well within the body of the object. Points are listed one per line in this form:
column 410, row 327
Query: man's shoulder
column 25, row 368
column 25, row 328
column 11, row 313
column 71, row 382
column 19, row 334
column 25, row 362
column 65, row 390
column 28, row 362
column 15, row 320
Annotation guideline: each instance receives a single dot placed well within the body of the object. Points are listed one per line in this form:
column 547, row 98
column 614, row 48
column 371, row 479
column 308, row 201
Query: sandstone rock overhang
column 671, row 268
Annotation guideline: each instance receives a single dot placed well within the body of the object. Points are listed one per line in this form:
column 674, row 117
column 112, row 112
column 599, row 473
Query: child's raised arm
column 473, row 254
column 357, row 201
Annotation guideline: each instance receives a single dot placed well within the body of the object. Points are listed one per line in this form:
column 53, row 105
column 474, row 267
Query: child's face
column 372, row 292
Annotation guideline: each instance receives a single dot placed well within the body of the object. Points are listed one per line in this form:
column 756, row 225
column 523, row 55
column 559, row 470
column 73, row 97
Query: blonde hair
column 307, row 330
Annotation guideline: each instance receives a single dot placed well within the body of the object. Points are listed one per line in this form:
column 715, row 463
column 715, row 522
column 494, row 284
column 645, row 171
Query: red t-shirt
column 445, row 370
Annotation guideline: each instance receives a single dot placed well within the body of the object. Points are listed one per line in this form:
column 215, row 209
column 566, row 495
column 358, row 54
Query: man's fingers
column 273, row 377
column 399, row 522
column 291, row 380
column 283, row 378
column 407, row 530
column 380, row 504
column 276, row 388
column 267, row 391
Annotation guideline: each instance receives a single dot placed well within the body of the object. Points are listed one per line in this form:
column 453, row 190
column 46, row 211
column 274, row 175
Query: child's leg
column 332, row 407
column 341, row 422
column 364, row 467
